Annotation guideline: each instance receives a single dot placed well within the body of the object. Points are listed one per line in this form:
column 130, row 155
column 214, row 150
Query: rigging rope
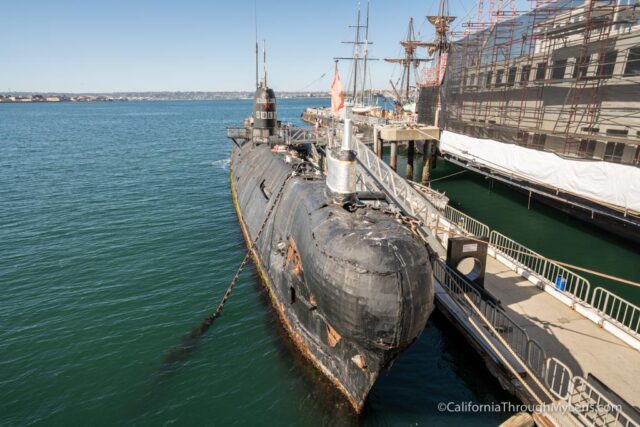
column 446, row 176
column 316, row 80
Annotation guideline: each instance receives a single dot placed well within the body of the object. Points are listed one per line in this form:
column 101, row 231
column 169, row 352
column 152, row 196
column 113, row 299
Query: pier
column 378, row 132
column 545, row 334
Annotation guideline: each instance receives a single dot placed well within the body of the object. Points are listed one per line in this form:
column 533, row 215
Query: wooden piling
column 393, row 157
column 411, row 149
column 426, row 162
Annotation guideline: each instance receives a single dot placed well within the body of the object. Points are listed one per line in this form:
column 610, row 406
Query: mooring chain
column 412, row 223
column 227, row 293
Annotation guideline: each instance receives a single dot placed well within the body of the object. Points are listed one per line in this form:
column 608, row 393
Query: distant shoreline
column 33, row 97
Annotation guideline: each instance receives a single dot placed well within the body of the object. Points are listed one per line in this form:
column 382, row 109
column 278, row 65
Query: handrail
column 439, row 200
column 464, row 221
column 237, row 132
column 412, row 200
column 626, row 314
column 409, row 198
column 593, row 408
column 585, row 402
column 455, row 284
column 557, row 377
column 525, row 347
column 565, row 280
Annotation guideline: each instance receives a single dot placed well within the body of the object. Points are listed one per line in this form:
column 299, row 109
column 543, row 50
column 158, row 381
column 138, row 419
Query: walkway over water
column 578, row 342
column 582, row 345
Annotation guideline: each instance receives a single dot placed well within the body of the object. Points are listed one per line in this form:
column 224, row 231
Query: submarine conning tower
column 341, row 169
column 264, row 113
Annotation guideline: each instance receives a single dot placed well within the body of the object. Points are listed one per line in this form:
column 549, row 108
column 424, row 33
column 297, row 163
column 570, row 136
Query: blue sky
column 144, row 45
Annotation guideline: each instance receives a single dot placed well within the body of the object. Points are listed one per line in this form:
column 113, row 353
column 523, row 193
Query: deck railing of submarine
column 237, row 132
column 293, row 135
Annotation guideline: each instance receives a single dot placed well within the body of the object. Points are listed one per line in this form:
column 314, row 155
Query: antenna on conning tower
column 264, row 63
column 255, row 23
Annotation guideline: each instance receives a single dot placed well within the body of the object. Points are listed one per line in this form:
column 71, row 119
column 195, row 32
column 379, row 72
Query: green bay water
column 117, row 236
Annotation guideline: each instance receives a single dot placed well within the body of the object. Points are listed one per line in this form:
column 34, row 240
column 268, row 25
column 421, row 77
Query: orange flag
column 337, row 95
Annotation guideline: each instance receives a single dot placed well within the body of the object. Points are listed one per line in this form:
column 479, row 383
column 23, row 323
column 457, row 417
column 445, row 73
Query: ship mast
column 366, row 51
column 410, row 45
column 441, row 23
column 358, row 47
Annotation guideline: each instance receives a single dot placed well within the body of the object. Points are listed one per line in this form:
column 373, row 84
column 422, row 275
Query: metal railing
column 303, row 134
column 404, row 194
column 617, row 310
column 456, row 285
column 438, row 199
column 370, row 120
column 413, row 201
column 557, row 377
column 518, row 340
column 584, row 401
column 237, row 132
column 566, row 281
column 594, row 409
column 465, row 222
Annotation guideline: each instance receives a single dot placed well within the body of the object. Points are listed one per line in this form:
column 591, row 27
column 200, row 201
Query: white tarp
column 607, row 182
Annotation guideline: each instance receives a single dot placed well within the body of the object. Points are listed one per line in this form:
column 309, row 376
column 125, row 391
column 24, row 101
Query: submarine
column 350, row 282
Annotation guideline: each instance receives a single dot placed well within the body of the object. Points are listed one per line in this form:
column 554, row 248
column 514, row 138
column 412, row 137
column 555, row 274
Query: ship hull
column 349, row 318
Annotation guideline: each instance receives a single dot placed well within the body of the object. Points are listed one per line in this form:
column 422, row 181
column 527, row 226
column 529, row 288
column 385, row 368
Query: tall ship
column 548, row 102
column 351, row 283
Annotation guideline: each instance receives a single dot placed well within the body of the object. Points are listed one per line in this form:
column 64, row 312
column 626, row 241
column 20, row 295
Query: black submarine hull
column 352, row 289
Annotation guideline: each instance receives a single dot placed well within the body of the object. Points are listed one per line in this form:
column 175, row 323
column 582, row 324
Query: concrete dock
column 579, row 343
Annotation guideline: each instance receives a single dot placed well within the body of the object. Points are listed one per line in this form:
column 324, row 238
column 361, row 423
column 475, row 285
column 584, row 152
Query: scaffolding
column 561, row 76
